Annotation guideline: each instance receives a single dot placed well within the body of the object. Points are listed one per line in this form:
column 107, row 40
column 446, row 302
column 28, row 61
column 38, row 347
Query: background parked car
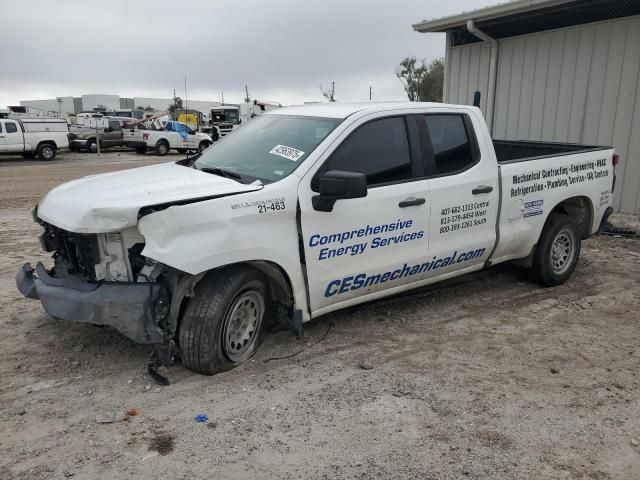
column 86, row 138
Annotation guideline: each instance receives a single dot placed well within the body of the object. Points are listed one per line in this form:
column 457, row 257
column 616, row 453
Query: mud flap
column 291, row 323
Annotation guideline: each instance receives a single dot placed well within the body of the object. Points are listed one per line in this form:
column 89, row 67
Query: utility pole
column 223, row 97
column 97, row 138
column 246, row 94
column 370, row 91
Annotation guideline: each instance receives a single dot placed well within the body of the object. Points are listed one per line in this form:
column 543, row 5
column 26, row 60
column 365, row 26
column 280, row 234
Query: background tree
column 176, row 105
column 423, row 83
column 329, row 93
column 410, row 76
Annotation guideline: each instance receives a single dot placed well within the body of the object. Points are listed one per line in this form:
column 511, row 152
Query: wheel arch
column 47, row 142
column 279, row 286
column 580, row 209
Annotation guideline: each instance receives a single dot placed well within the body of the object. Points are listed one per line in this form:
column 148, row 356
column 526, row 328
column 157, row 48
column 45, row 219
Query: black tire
column 215, row 136
column 216, row 317
column 92, row 146
column 29, row 155
column 46, row 152
column 182, row 150
column 141, row 150
column 162, row 148
column 557, row 252
column 203, row 146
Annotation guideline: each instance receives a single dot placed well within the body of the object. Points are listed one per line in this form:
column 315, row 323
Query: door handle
column 411, row 202
column 482, row 189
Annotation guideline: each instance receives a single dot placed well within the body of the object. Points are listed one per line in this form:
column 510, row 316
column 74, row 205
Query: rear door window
column 452, row 148
column 11, row 127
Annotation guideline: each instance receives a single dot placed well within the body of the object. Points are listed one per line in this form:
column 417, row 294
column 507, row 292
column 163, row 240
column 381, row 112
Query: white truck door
column 13, row 140
column 464, row 193
column 373, row 243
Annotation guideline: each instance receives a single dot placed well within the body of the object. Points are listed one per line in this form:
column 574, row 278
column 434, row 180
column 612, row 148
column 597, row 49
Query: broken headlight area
column 114, row 257
column 75, row 255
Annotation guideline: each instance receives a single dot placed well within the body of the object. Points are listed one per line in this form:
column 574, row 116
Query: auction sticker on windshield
column 289, row 153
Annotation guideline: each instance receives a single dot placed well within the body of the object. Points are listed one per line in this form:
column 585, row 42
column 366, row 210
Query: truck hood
column 110, row 202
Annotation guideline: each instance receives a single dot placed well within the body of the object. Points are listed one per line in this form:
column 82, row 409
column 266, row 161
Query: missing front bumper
column 134, row 309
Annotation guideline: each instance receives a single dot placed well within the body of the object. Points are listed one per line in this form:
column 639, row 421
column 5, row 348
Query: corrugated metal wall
column 578, row 84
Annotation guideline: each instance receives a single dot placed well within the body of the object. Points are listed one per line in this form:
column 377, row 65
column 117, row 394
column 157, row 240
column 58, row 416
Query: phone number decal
column 463, row 216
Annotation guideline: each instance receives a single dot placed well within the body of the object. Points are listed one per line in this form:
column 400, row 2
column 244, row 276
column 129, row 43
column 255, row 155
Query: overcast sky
column 282, row 49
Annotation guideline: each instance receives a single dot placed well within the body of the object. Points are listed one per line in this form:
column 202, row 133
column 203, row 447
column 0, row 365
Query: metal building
column 553, row 70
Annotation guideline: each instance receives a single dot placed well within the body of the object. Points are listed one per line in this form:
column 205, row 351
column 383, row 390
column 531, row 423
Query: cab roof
column 343, row 110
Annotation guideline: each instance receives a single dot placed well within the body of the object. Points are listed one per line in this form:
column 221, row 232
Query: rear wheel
column 222, row 324
column 46, row 152
column 162, row 148
column 557, row 252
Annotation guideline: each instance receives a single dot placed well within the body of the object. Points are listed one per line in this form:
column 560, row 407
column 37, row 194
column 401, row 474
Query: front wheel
column 92, row 146
column 557, row 252
column 203, row 146
column 221, row 326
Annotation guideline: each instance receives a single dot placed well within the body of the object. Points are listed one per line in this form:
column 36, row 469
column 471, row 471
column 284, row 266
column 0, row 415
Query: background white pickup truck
column 306, row 210
column 167, row 138
column 31, row 137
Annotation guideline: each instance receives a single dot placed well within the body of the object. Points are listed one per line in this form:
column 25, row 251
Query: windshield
column 269, row 147
column 226, row 115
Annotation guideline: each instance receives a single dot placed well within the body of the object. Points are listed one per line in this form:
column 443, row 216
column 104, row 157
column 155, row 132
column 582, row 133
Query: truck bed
column 511, row 151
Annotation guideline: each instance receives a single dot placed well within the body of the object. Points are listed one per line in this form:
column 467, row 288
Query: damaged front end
column 103, row 279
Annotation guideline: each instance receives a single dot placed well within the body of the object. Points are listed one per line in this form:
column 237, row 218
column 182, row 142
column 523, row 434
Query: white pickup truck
column 172, row 136
column 307, row 210
column 30, row 137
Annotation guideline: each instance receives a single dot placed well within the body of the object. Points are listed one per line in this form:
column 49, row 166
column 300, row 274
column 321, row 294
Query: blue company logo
column 531, row 209
column 363, row 280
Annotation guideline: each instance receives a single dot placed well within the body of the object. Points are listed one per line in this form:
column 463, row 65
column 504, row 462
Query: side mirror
column 338, row 185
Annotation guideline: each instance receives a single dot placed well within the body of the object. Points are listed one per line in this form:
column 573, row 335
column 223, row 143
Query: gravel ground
column 486, row 376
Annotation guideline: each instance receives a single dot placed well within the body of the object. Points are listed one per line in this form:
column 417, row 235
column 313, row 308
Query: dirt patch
column 162, row 443
column 493, row 439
